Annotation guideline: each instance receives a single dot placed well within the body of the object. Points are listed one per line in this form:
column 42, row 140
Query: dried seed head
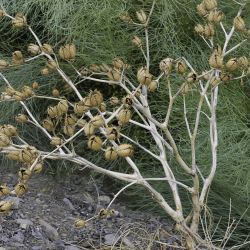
column 95, row 143
column 124, row 116
column 24, row 174
column 97, row 121
column 209, row 30
column 153, row 86
column 55, row 93
column 110, row 154
column 4, row 140
column 70, row 120
column 68, row 52
column 210, row 4
column 125, row 17
column 27, row 91
column 94, row 68
column 127, row 101
column 79, row 223
column 63, row 106
column 243, row 62
column 104, row 67
column 199, row 29
column 69, row 130
column 38, row 168
column 2, row 13
column 4, row 190
column 27, row 155
column 114, row 100
column 3, row 64
column 20, row 189
column 35, row 85
column 81, row 123
column 112, row 133
column 14, row 155
column 118, row 63
column 192, row 77
column 56, row 141
column 19, row 96
column 48, row 124
column 180, row 67
column 125, row 150
column 185, row 89
column 114, row 75
column 215, row 16
column 8, row 130
column 33, row 49
column 102, row 107
column 51, row 65
column 21, row 118
column 143, row 76
column 17, row 58
column 45, row 71
column 47, row 48
column 95, row 98
column 239, row 23
column 80, row 109
column 232, row 64
column 137, row 41
column 216, row 61
column 19, row 21
column 166, row 65
column 141, row 16
column 53, row 111
column 103, row 213
column 225, row 77
column 214, row 81
column 5, row 206
column 10, row 91
column 89, row 129
column 201, row 9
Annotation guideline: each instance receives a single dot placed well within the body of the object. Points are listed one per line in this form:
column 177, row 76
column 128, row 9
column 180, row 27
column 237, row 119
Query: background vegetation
column 100, row 36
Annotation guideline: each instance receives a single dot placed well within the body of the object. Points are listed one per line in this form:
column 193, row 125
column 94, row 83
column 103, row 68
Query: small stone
column 110, row 239
column 49, row 230
column 24, row 223
column 18, row 237
column 71, row 248
column 37, row 248
column 68, row 203
column 104, row 199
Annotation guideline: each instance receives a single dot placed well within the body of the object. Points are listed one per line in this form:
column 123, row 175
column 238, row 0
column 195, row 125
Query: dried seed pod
column 199, row 29
column 210, row 4
column 17, row 57
column 103, row 213
column 153, row 86
column 53, row 111
column 185, row 89
column 112, row 133
column 201, row 9
column 33, row 49
column 216, row 61
column 47, row 48
column 8, row 130
column 127, row 101
column 68, row 52
column 180, row 67
column 63, row 106
column 118, row 63
column 243, row 62
column 81, row 123
column 14, row 155
column 35, row 85
column 48, row 124
column 4, row 140
column 225, row 77
column 38, row 168
column 114, row 100
column 21, row 118
column 95, row 143
column 51, row 65
column 97, row 121
column 239, row 23
column 80, row 109
column 24, row 174
column 166, row 65
column 79, row 223
column 215, row 16
column 19, row 21
column 19, row 96
column 89, row 129
column 55, row 93
column 143, row 76
column 20, row 189
column 125, row 150
column 69, row 130
column 45, row 71
column 56, row 141
column 209, row 30
column 124, row 116
column 5, row 206
column 3, row 64
column 4, row 190
column 95, row 98
column 27, row 155
column 192, row 77
column 27, row 91
column 102, row 107
column 70, row 120
column 114, row 75
column 232, row 64
column 141, row 16
column 214, row 81
column 10, row 91
column 125, row 17
column 110, row 154
column 137, row 41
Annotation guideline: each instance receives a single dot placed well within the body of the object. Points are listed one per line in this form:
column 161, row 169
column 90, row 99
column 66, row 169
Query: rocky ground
column 44, row 219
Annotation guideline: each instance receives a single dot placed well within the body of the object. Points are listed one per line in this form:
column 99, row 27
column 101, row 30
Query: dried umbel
column 55, row 93
column 201, row 9
column 127, row 101
column 19, row 21
column 68, row 52
column 89, row 129
column 81, row 123
column 56, row 141
column 47, row 48
column 14, row 155
column 8, row 130
column 118, row 63
column 5, row 206
column 125, row 150
column 199, row 29
column 79, row 223
column 54, row 111
column 239, row 23
column 225, row 76
column 141, row 16
column 124, row 116
column 20, row 189
column 24, row 174
column 216, row 61
column 110, row 154
column 48, row 124
column 232, row 64
column 19, row 96
column 28, row 155
column 34, row 49
column 21, row 118
column 102, row 107
column 125, row 17
column 137, row 41
column 112, row 133
column 97, row 121
column 209, row 30
column 114, row 74
column 63, row 106
column 185, row 89
column 180, row 67
column 70, row 120
column 166, row 65
column 38, row 168
column 17, row 57
column 3, row 64
column 95, row 143
column 114, row 100
column 4, row 190
column 210, row 4
column 243, row 62
column 153, row 85
column 27, row 91
column 192, row 77
column 215, row 16
column 103, row 213
column 69, row 130
column 80, row 108
column 51, row 65
column 4, row 140
column 95, row 98
column 143, row 76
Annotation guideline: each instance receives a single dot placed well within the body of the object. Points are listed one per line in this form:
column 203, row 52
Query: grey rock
column 24, row 223
column 104, row 199
column 2, row 248
column 71, row 248
column 37, row 248
column 49, row 230
column 18, row 237
column 68, row 203
column 110, row 239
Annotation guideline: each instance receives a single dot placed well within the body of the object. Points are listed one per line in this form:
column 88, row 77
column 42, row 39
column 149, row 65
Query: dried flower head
column 19, row 21
column 24, row 174
column 47, row 48
column 20, row 189
column 166, row 65
column 239, row 23
column 5, row 206
column 79, row 223
column 4, row 190
column 17, row 57
column 111, row 154
column 68, row 52
column 143, row 76
column 95, row 143
column 124, row 116
column 125, row 150
column 4, row 140
column 21, row 118
column 137, row 41
column 56, row 141
column 95, row 98
column 112, row 133
column 34, row 49
column 97, row 121
column 141, row 16
column 3, row 64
